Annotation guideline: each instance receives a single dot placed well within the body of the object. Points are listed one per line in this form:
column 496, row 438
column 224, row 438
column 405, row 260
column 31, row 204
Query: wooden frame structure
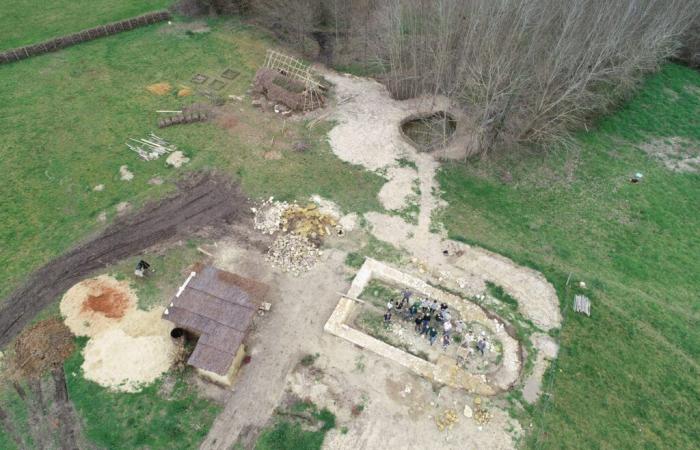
column 297, row 71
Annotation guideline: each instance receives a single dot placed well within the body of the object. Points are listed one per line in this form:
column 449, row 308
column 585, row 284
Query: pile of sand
column 97, row 304
column 126, row 363
column 129, row 347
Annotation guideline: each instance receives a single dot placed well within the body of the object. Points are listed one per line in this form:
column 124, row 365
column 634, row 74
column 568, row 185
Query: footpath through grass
column 25, row 22
column 629, row 376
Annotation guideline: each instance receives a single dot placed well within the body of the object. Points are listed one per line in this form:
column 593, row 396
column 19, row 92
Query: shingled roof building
column 210, row 305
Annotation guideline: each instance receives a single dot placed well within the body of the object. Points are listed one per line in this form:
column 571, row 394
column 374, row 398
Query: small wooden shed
column 210, row 305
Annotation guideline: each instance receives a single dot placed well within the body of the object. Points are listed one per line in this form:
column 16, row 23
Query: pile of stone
column 268, row 215
column 293, row 253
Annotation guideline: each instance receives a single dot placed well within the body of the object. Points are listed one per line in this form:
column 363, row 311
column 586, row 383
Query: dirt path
column 293, row 327
column 201, row 201
column 367, row 133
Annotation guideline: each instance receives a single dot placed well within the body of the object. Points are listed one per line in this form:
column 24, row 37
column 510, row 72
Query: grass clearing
column 147, row 419
column 628, row 376
column 42, row 20
column 67, row 115
column 303, row 427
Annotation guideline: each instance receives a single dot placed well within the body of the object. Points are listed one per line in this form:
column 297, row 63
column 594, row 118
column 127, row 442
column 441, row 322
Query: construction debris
column 268, row 215
column 302, row 229
column 446, row 420
column 151, row 148
column 293, row 253
column 582, row 304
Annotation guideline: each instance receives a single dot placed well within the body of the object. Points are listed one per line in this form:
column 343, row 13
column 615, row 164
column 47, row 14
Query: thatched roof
column 216, row 309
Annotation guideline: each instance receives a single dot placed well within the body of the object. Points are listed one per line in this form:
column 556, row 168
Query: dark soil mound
column 42, row 347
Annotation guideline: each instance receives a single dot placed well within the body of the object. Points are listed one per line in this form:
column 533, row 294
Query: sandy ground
column 394, row 194
column 400, row 407
column 85, row 321
column 293, row 328
column 547, row 350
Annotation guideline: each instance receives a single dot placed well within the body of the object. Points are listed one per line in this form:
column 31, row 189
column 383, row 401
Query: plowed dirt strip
column 204, row 200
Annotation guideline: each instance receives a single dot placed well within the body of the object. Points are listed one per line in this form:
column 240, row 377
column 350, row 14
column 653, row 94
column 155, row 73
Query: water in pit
column 431, row 132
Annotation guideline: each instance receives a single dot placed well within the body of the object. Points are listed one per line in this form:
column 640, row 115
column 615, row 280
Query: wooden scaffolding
column 297, row 71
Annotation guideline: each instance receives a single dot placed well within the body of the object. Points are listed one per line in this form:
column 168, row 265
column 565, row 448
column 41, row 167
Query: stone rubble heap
column 300, row 231
column 268, row 215
column 293, row 253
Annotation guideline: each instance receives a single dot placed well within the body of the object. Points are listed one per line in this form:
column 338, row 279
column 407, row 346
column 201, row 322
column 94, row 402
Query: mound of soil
column 203, row 200
column 42, row 347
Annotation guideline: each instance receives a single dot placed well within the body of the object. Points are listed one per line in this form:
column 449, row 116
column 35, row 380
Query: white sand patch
column 123, row 208
column 394, row 194
column 86, row 322
column 327, row 207
column 99, row 188
column 126, row 363
column 177, row 159
column 367, row 131
column 125, row 174
column 348, row 222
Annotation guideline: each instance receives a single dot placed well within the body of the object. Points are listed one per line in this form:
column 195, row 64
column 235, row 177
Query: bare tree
column 527, row 70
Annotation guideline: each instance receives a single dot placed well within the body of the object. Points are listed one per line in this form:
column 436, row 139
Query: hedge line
column 52, row 45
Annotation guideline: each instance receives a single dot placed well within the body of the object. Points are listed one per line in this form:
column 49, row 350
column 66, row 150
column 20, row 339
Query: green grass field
column 31, row 21
column 629, row 376
column 67, row 115
column 626, row 377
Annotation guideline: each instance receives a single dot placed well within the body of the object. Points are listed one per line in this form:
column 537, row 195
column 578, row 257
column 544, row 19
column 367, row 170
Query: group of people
column 431, row 317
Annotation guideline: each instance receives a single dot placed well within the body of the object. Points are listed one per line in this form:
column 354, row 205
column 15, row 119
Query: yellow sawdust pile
column 125, row 351
column 159, row 88
column 184, row 92
column 308, row 221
